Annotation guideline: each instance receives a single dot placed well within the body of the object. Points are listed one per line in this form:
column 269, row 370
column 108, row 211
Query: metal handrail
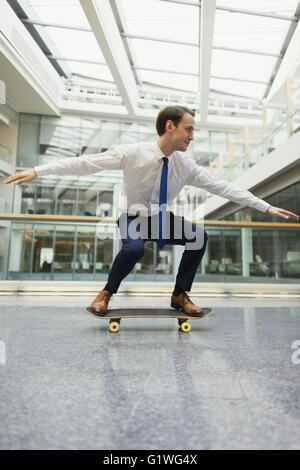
column 92, row 220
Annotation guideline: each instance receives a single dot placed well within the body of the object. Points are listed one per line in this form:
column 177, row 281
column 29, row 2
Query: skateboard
column 116, row 314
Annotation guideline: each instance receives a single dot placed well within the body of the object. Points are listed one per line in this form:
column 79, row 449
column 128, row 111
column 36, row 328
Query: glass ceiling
column 167, row 20
column 68, row 43
column 156, row 55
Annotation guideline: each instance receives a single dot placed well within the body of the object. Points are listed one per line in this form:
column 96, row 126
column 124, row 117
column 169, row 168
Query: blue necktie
column 163, row 204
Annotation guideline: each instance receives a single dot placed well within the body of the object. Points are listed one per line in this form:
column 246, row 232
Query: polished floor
column 67, row 383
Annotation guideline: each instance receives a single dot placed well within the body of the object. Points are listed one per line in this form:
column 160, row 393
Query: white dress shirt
column 142, row 164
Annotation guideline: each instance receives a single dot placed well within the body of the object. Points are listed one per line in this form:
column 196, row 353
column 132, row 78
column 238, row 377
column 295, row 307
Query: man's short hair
column 172, row 113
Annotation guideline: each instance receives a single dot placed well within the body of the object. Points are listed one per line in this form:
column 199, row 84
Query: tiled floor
column 67, row 383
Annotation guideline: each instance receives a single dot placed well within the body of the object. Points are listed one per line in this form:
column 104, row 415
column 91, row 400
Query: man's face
column 183, row 134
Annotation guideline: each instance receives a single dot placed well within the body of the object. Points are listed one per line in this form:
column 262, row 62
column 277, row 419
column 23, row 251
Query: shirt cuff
column 262, row 205
column 41, row 170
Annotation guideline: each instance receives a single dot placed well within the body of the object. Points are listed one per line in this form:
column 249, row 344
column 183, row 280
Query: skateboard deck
column 116, row 314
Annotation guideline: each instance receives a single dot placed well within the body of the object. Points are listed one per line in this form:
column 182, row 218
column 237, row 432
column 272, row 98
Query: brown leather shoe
column 100, row 303
column 184, row 303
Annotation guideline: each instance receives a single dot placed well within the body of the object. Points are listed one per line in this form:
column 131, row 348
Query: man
column 154, row 174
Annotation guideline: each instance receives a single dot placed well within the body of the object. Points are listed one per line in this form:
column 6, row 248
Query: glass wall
column 224, row 252
column 60, row 251
column 65, row 196
column 86, row 252
column 251, row 255
column 263, row 254
column 66, row 251
column 208, row 144
column 44, row 138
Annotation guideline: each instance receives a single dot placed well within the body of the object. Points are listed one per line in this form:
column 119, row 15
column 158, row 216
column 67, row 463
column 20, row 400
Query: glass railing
column 253, row 145
column 83, row 248
column 275, row 137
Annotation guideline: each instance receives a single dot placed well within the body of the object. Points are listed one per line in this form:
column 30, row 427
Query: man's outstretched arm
column 112, row 159
column 201, row 178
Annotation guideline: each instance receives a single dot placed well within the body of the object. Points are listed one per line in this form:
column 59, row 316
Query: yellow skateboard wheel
column 185, row 326
column 114, row 326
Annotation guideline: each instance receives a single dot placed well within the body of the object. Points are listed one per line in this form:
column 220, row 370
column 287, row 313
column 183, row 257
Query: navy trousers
column 136, row 230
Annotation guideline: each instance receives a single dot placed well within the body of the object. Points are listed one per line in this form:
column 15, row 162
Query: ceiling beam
column 207, row 20
column 280, row 68
column 190, row 74
column 236, row 10
column 118, row 12
column 236, row 79
column 55, row 25
column 70, row 59
column 168, row 41
column 195, row 44
column 102, row 21
column 181, row 2
column 257, row 13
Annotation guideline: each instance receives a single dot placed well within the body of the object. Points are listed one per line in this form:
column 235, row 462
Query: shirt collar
column 158, row 153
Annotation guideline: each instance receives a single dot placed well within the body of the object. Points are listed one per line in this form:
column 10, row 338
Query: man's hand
column 282, row 213
column 23, row 177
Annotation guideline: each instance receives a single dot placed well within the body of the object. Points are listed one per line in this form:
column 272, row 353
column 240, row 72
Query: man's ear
column 169, row 125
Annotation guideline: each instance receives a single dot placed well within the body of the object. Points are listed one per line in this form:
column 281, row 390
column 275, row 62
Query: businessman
column 154, row 174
